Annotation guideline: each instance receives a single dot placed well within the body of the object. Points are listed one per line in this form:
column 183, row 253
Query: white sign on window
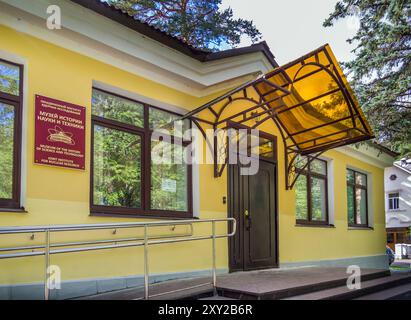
column 169, row 185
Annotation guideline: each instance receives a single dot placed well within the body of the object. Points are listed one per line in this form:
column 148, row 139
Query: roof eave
column 166, row 39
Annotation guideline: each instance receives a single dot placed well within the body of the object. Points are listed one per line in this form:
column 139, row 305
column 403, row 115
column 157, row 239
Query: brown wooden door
column 253, row 204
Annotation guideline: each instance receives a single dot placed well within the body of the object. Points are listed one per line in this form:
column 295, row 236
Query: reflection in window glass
column 318, row 199
column 360, row 179
column 117, row 168
column 357, row 198
column 361, row 199
column 301, row 198
column 115, row 108
column 159, row 119
column 350, row 204
column 169, row 180
column 265, row 148
column 6, row 150
column 318, row 166
column 350, row 176
column 9, row 78
column 300, row 162
column 311, row 188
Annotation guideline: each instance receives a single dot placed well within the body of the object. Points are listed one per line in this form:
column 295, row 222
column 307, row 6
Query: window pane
column 318, row 200
column 6, row 150
column 361, row 203
column 360, row 179
column 350, row 176
column 350, row 204
column 115, row 108
column 301, row 197
column 169, row 178
column 117, row 168
column 318, row 166
column 159, row 119
column 9, row 78
column 300, row 161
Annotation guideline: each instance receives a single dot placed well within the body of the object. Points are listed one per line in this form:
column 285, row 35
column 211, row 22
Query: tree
column 381, row 70
column 200, row 23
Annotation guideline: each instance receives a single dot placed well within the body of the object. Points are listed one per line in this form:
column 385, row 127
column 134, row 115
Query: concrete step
column 397, row 293
column 194, row 288
column 216, row 298
column 281, row 284
column 367, row 287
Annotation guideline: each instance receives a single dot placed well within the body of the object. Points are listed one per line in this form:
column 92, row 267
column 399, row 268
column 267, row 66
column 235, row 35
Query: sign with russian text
column 60, row 129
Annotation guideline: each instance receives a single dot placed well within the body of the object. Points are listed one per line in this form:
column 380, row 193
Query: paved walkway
column 264, row 284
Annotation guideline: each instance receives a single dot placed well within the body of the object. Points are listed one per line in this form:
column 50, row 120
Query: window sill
column 359, row 228
column 17, row 210
column 314, row 225
column 140, row 216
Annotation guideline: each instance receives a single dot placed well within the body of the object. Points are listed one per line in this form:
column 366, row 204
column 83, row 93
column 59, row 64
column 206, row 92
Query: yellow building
column 127, row 79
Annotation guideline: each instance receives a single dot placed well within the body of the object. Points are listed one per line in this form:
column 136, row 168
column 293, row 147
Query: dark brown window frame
column 355, row 186
column 17, row 102
column 145, row 133
column 311, row 174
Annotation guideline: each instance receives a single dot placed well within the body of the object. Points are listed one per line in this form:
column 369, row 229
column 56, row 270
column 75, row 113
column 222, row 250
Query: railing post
column 214, row 260
column 146, row 279
column 46, row 264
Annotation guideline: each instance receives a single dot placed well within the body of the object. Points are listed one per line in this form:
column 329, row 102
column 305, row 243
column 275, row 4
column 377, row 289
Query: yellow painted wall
column 61, row 196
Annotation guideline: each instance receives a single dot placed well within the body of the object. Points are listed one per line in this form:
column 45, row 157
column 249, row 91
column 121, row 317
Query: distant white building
column 398, row 202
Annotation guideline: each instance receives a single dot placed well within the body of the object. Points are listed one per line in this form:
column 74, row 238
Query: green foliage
column 161, row 199
column 381, row 70
column 9, row 78
column 200, row 23
column 118, row 158
column 6, row 150
column 117, row 168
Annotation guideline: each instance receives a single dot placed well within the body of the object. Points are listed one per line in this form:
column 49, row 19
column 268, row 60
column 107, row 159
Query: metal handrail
column 144, row 241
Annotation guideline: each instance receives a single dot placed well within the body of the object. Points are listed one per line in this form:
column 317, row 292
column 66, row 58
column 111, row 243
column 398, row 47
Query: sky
column 293, row 28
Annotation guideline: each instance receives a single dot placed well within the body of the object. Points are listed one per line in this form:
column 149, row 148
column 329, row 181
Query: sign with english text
column 60, row 130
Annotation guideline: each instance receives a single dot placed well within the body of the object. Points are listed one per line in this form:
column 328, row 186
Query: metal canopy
column 309, row 100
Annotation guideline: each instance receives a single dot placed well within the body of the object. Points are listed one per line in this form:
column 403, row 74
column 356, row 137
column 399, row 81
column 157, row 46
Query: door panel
column 254, row 245
column 236, row 243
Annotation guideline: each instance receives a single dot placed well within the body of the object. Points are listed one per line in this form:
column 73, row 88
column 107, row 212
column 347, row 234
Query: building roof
column 404, row 164
column 383, row 149
column 127, row 20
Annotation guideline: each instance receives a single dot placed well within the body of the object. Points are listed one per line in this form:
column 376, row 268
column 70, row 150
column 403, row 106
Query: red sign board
column 60, row 129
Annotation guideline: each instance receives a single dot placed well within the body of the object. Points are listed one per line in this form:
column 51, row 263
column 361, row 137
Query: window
column 357, row 195
column 11, row 94
column 394, row 201
column 311, row 193
column 124, row 179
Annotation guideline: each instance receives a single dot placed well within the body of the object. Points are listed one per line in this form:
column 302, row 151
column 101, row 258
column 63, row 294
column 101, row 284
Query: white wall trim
column 90, row 34
column 368, row 154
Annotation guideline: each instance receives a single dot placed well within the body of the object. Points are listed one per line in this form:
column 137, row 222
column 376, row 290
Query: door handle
column 248, row 217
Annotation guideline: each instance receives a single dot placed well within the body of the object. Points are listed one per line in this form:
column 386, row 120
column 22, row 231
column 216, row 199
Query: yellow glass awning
column 308, row 99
